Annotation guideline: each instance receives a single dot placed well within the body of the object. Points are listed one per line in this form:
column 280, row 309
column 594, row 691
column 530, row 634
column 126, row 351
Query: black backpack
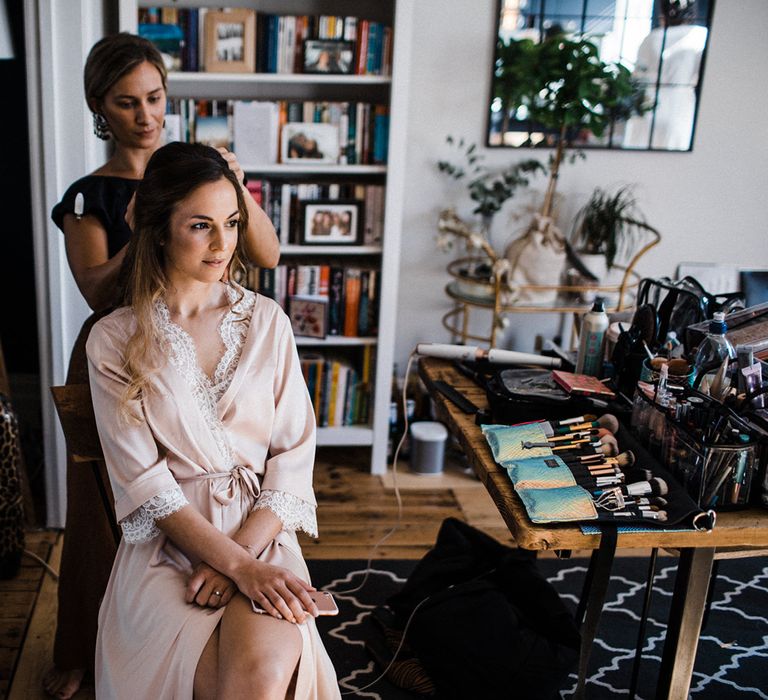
column 491, row 626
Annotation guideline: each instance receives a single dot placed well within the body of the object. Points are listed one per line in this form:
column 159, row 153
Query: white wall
column 710, row 204
column 58, row 37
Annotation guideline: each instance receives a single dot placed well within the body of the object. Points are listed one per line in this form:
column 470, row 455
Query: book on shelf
column 336, row 301
column 350, row 293
column 255, row 130
column 254, row 127
column 168, row 37
column 279, row 39
column 340, row 397
column 213, row 130
column 351, row 301
column 283, row 202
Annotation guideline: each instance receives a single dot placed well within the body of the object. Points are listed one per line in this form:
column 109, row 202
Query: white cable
column 397, row 651
column 53, row 573
column 398, row 521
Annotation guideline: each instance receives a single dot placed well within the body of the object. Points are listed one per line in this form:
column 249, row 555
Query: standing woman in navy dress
column 125, row 87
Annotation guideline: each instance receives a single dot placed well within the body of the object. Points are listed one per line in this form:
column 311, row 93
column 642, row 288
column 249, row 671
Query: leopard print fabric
column 11, row 509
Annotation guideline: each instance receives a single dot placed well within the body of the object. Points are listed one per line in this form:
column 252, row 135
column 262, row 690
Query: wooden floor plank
column 37, row 652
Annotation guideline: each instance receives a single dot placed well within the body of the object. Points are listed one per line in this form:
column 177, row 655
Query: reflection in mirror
column 662, row 42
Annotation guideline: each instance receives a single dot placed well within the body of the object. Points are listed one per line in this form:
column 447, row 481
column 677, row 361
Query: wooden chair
column 75, row 410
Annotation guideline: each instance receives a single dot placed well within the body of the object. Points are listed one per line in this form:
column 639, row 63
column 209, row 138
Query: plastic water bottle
column 594, row 324
column 714, row 348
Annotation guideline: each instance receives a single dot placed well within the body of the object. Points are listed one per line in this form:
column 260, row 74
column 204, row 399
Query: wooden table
column 742, row 533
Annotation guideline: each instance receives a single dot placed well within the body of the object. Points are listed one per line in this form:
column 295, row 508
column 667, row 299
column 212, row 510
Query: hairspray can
column 594, row 324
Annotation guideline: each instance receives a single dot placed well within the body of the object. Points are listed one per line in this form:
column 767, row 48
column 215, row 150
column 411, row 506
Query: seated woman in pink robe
column 209, row 438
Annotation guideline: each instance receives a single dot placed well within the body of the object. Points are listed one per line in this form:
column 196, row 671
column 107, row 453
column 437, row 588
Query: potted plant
column 606, row 226
column 488, row 190
column 609, row 227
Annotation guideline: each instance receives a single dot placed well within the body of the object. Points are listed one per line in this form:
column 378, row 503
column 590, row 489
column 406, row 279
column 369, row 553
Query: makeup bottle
column 714, row 348
column 594, row 324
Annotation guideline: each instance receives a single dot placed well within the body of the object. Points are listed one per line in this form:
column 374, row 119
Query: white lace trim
column 182, row 354
column 140, row 525
column 294, row 513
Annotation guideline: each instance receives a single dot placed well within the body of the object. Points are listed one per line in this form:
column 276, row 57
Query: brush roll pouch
column 553, row 491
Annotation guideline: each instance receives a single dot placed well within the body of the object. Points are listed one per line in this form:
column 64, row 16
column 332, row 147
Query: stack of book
column 283, row 202
column 351, row 294
column 340, row 393
column 252, row 129
column 178, row 33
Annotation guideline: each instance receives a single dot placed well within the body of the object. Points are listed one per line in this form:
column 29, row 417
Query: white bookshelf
column 392, row 89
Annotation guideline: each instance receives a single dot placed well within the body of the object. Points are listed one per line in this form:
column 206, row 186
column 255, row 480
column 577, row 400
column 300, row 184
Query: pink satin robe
column 149, row 638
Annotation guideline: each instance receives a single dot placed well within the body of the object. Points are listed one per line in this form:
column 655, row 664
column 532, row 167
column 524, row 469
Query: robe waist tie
column 239, row 479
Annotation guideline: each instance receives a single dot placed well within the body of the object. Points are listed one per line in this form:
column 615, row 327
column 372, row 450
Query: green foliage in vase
column 563, row 88
column 564, row 83
column 488, row 190
column 608, row 224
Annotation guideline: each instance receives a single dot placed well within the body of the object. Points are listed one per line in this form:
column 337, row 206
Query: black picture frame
column 329, row 56
column 331, row 222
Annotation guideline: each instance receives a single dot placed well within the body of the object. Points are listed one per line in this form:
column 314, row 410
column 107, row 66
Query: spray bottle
column 594, row 324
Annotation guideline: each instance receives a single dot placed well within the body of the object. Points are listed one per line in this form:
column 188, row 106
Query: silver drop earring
column 100, row 126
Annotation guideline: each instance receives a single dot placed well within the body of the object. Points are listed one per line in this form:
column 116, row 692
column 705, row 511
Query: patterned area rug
column 732, row 660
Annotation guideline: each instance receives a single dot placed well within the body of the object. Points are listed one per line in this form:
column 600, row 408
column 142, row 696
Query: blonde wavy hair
column 172, row 174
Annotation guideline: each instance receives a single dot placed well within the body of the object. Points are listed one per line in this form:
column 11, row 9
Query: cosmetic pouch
column 562, row 504
column 555, row 492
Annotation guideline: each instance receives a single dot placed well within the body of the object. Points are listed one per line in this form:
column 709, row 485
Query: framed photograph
column 309, row 141
column 230, row 41
column 332, row 222
column 328, row 56
column 309, row 315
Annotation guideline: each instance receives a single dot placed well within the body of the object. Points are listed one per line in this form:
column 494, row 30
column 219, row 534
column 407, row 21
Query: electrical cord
column 399, row 519
column 389, row 533
column 51, row 571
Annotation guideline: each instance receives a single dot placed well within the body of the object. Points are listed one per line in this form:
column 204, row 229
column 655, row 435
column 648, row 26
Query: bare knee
column 267, row 677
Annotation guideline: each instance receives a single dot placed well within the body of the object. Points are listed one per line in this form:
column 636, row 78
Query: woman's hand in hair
column 234, row 166
column 261, row 244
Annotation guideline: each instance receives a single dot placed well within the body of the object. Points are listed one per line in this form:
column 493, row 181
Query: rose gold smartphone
column 326, row 605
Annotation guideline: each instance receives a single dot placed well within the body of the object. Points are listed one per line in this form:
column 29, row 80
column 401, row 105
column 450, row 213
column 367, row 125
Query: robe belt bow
column 240, row 479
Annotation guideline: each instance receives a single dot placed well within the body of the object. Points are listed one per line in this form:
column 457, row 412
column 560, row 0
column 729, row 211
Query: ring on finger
column 217, row 593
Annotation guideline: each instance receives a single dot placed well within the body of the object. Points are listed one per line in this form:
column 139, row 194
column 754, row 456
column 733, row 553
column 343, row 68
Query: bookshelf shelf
column 345, row 437
column 283, row 169
column 334, row 341
column 272, row 86
column 192, row 80
column 330, row 250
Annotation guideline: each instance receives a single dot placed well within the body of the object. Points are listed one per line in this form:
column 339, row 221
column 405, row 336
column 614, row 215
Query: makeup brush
column 638, row 474
column 660, row 515
column 607, row 420
column 624, row 460
column 610, row 444
column 560, row 427
column 652, row 487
